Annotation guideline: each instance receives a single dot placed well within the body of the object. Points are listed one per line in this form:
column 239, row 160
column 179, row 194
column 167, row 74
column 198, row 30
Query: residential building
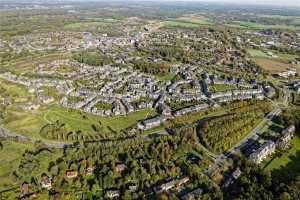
column 266, row 149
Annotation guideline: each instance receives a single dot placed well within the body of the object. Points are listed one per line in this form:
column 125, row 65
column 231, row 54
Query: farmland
column 276, row 62
column 188, row 22
column 254, row 25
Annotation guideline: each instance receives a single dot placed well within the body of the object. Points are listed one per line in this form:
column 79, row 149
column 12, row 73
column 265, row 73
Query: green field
column 188, row 22
column 81, row 25
column 290, row 158
column 253, row 25
column 278, row 62
column 257, row 53
column 165, row 76
column 9, row 159
column 294, row 20
column 90, row 25
column 65, row 68
column 12, row 154
column 30, row 123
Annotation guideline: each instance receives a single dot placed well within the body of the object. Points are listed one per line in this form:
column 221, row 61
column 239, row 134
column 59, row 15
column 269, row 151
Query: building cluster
column 53, row 40
column 176, row 183
column 285, row 137
column 109, row 90
column 287, row 73
column 268, row 147
column 272, row 38
column 294, row 85
column 125, row 89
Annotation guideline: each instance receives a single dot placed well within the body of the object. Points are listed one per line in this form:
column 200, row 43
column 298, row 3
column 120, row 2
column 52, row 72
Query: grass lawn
column 188, row 22
column 18, row 93
column 165, row 76
column 81, row 25
column 84, row 121
column 30, row 123
column 257, row 53
column 89, row 26
column 24, row 122
column 65, row 68
column 287, row 158
column 10, row 156
column 295, row 20
column 12, row 89
column 253, row 25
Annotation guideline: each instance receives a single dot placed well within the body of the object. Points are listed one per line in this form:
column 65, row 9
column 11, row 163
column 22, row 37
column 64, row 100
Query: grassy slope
column 9, row 159
column 30, row 123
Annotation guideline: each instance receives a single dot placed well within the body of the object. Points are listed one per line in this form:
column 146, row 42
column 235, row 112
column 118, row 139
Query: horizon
column 282, row 3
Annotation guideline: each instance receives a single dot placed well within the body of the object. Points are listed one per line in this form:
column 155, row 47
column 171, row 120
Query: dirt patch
column 275, row 66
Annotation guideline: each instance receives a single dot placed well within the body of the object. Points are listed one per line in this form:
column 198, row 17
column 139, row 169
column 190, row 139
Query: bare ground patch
column 274, row 66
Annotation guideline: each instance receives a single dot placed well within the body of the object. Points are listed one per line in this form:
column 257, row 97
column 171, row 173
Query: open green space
column 9, row 158
column 65, row 68
column 288, row 157
column 257, row 53
column 165, row 76
column 15, row 157
column 254, row 25
column 103, row 105
column 74, row 98
column 16, row 93
column 82, row 25
column 294, row 20
column 30, row 123
column 188, row 22
column 278, row 62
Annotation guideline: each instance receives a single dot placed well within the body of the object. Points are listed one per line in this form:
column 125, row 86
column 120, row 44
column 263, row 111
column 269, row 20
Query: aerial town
column 109, row 101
